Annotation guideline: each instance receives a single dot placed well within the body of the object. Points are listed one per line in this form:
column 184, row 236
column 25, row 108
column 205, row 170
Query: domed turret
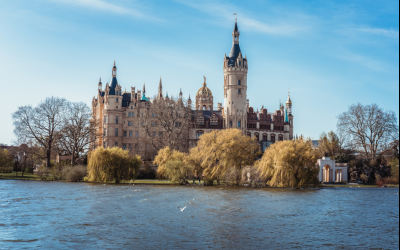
column 204, row 98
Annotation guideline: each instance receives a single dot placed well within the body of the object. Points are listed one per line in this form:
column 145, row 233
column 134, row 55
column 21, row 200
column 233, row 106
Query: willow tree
column 290, row 164
column 112, row 164
column 163, row 157
column 220, row 152
column 178, row 171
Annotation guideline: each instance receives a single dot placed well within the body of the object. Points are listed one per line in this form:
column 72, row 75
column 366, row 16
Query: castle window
column 105, row 132
column 239, row 125
column 200, row 120
column 230, row 124
column 290, row 122
column 160, row 134
column 129, row 123
column 129, row 114
column 116, row 144
column 154, row 135
column 280, row 137
column 116, row 120
column 130, row 133
column 116, row 99
column 124, row 146
column 137, row 134
column 198, row 134
column 265, row 137
column 130, row 147
column 104, row 145
column 116, row 132
column 124, row 133
column 133, row 114
column 214, row 120
column 239, row 91
column 240, row 63
column 152, row 124
column 105, row 119
column 257, row 136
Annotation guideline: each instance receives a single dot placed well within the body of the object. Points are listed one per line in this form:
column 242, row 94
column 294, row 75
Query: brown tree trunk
column 48, row 155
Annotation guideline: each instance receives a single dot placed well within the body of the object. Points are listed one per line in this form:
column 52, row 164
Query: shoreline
column 163, row 183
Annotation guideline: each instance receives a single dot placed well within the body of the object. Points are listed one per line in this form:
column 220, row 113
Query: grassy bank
column 18, row 176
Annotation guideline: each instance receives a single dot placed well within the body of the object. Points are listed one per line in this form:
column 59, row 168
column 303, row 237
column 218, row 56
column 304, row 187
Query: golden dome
column 204, row 91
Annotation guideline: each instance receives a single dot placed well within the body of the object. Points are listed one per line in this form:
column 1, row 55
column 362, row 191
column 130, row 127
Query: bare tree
column 41, row 123
column 368, row 129
column 167, row 123
column 78, row 131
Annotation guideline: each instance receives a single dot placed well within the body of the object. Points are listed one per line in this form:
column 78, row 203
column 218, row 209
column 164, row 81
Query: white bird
column 182, row 209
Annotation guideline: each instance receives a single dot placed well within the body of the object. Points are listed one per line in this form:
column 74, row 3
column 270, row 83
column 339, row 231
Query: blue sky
column 330, row 54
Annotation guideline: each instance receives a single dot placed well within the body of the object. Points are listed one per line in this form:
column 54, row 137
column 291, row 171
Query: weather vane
column 235, row 14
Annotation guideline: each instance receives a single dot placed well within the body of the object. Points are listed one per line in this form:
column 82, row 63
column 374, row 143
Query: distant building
column 330, row 171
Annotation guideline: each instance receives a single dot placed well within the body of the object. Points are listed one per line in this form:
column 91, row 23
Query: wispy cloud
column 365, row 61
column 381, row 32
column 105, row 6
column 279, row 27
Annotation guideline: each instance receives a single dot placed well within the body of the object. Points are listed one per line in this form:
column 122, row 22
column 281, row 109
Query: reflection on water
column 97, row 216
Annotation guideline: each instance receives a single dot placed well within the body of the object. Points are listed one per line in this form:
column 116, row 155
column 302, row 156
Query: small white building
column 330, row 171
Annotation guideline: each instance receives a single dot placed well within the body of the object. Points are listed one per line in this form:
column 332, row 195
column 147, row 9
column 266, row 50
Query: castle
column 120, row 112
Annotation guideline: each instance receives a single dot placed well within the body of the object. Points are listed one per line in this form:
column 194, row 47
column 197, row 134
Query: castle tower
column 289, row 116
column 235, row 85
column 204, row 98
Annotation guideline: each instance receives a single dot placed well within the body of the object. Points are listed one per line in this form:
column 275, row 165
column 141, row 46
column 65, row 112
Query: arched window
column 272, row 138
column 280, row 137
column 209, row 107
column 249, row 134
column 257, row 135
column 204, row 107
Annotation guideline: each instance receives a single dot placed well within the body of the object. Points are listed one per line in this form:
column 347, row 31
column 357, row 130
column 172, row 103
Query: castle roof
column 113, row 85
column 204, row 91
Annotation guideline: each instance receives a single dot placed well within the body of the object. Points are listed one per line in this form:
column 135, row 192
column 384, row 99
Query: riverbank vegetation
column 107, row 164
column 290, row 164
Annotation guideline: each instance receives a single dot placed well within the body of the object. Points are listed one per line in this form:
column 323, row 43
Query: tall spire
column 100, row 80
column 160, row 85
column 144, row 88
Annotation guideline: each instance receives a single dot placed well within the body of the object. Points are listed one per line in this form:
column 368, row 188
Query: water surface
column 96, row 216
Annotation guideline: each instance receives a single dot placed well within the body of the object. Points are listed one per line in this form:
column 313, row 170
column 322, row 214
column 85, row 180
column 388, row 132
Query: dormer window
column 117, row 92
column 239, row 83
column 240, row 63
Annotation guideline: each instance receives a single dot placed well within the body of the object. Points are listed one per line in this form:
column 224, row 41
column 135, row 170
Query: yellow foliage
column 164, row 156
column 112, row 163
column 178, row 171
column 290, row 164
column 219, row 151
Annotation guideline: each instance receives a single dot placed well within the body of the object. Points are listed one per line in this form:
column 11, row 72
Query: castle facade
column 120, row 112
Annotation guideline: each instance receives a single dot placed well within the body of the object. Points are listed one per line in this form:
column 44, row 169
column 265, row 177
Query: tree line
column 55, row 126
column 367, row 138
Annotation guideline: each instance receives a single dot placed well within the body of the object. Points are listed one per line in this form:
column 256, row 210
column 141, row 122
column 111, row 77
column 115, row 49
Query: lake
column 57, row 215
